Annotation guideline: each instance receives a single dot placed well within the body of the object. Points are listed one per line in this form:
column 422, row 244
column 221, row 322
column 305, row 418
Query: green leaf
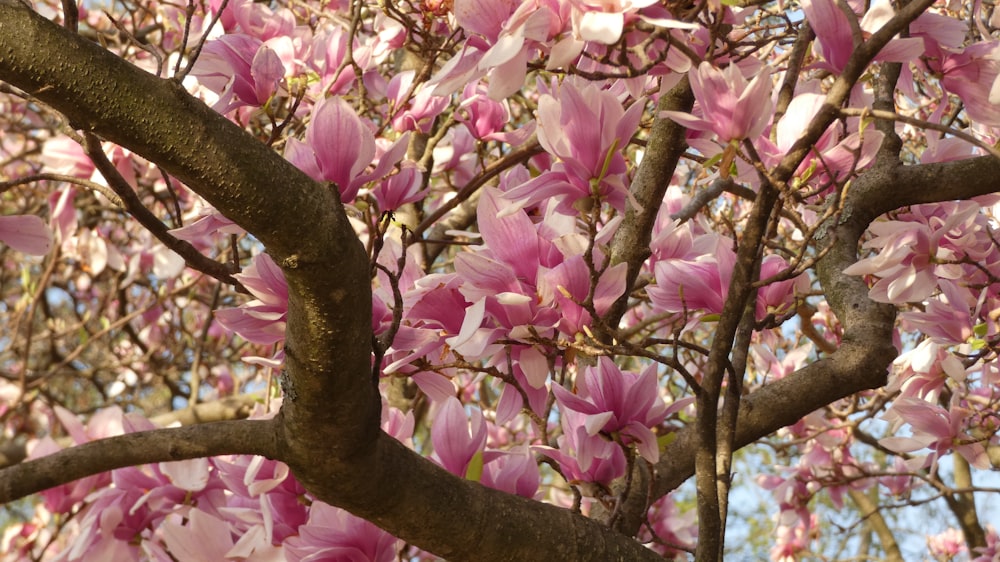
column 475, row 470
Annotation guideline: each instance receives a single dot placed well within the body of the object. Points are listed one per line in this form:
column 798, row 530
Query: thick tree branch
column 663, row 151
column 248, row 437
column 328, row 429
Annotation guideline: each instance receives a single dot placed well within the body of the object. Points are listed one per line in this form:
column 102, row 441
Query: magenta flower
column 973, row 75
column 26, row 233
column 568, row 284
column 243, row 70
column 401, row 188
column 334, row 534
column 618, row 402
column 690, row 285
column 587, row 129
column 416, row 112
column 585, row 458
column 261, row 320
column 339, row 146
column 456, row 438
column 914, row 254
column 946, row 317
column 835, row 42
column 935, row 428
column 514, row 472
column 483, row 116
column 731, row 107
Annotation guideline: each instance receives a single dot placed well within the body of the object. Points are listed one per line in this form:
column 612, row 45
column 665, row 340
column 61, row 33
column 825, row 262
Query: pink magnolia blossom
column 731, row 107
column 483, row 116
column 400, row 188
column 914, row 254
column 698, row 284
column 925, row 371
column 26, row 233
column 618, row 402
column 971, row 74
column 583, row 458
column 947, row 544
column 603, row 21
column 835, row 41
column 586, row 128
column 673, row 529
column 261, row 320
column 456, row 437
column 414, row 112
column 502, row 33
column 334, row 534
column 514, row 472
column 936, row 428
column 339, row 147
column 243, row 70
column 840, row 154
column 328, row 51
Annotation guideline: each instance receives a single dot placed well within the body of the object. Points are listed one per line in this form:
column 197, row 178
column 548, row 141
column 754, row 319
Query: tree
column 490, row 280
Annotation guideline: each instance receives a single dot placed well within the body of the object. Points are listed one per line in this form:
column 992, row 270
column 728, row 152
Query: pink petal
column 26, row 233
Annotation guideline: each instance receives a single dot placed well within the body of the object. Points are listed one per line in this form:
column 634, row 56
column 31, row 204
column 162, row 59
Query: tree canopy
column 494, row 279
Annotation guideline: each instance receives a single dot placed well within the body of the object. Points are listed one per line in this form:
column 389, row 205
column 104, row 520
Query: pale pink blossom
column 243, row 70
column 731, row 106
column 26, row 233
column 261, row 320
column 587, row 128
column 933, row 427
column 334, row 534
column 914, row 254
column 456, row 437
column 617, row 402
column 835, row 41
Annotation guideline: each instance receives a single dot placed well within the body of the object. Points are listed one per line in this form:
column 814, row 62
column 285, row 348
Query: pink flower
column 914, row 254
column 26, row 233
column 242, row 69
column 456, row 438
column 514, row 472
column 414, row 112
column 835, row 42
column 946, row 545
column 587, row 129
column 483, row 116
column 261, row 320
column 603, row 21
column 585, row 458
column 401, row 188
column 731, row 107
column 618, row 402
column 936, row 428
column 778, row 298
column 339, row 147
column 971, row 74
column 334, row 534
column 699, row 284
column 569, row 283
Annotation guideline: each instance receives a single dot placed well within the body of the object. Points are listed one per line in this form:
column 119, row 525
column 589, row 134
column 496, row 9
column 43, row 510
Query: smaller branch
column 875, row 521
column 103, row 190
column 246, row 437
column 195, row 259
column 517, row 156
column 892, row 116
